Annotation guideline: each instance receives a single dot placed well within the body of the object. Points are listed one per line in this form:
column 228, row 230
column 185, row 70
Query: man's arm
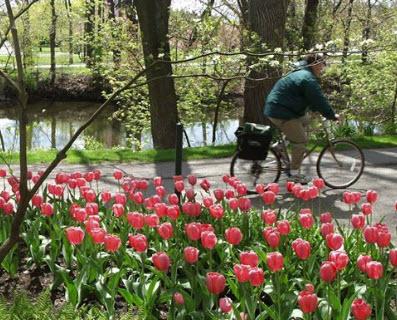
column 316, row 99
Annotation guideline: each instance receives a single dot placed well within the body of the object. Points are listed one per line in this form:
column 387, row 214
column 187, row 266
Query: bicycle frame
column 282, row 141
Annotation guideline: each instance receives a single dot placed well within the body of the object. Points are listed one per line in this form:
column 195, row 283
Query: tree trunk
column 366, row 31
column 53, row 132
column 335, row 7
column 112, row 17
column 53, row 28
column 347, row 23
column 26, row 39
column 309, row 24
column 89, row 26
column 393, row 112
column 68, row 6
column 267, row 19
column 204, row 129
column 153, row 16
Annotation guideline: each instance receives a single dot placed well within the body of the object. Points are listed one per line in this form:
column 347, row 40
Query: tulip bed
column 204, row 253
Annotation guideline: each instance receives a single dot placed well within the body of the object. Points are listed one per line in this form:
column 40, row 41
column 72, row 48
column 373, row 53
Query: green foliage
column 21, row 307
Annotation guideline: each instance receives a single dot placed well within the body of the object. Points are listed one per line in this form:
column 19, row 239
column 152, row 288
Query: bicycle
column 340, row 163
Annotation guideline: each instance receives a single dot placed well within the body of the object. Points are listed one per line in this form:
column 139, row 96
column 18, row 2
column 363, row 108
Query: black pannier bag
column 253, row 141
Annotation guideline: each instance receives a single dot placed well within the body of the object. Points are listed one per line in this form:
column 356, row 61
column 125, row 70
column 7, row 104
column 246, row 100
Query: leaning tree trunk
column 309, row 24
column 267, row 20
column 53, row 29
column 153, row 16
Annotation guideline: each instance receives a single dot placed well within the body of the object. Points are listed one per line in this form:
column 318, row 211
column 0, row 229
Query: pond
column 51, row 124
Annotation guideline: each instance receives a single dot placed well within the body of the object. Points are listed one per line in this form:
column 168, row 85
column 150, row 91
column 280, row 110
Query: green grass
column 148, row 156
column 123, row 155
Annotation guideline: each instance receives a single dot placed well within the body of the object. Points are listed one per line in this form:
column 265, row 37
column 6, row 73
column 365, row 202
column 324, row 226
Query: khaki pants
column 295, row 132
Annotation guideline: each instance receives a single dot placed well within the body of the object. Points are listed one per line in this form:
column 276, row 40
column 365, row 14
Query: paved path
column 380, row 174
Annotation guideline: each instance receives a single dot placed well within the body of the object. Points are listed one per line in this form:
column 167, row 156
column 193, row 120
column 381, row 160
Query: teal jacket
column 294, row 94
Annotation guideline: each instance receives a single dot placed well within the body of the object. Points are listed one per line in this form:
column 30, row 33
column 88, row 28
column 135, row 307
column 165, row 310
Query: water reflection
column 51, row 125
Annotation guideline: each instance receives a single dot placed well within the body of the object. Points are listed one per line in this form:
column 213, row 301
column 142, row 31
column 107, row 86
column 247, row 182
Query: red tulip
column 152, row 220
column 366, row 208
column 98, row 235
column 275, row 261
column 173, row 199
column 358, row 221
column 192, row 179
column 244, row 204
column 216, row 211
column 160, row 209
column 301, row 248
column 326, row 228
column 374, row 270
column 348, row 197
column 305, row 211
column 192, row 209
column 75, row 235
column 191, row 254
column 272, row 237
column 362, row 261
column 112, row 242
column 178, row 298
column 256, row 276
column 328, row 271
column 326, row 217
column 219, row 194
column 319, row 183
column 361, row 310
column 106, row 196
column 215, row 282
column 208, row 239
column 161, row 261
column 89, row 195
column 269, row 217
column 8, row 208
column 120, row 198
column 92, row 208
column 334, row 241
column 340, row 258
column 205, row 184
column 179, row 186
column 268, row 197
column 173, row 212
column 371, row 234
column 283, row 227
column 193, row 231
column 138, row 242
column 47, row 209
column 37, row 200
column 136, row 220
column 3, row 173
column 225, row 304
column 307, row 300
column 157, row 181
column 117, row 174
column 233, row 204
column 372, row 196
column 356, row 197
column 233, row 235
column 241, row 189
column 274, row 187
column 118, row 210
column 313, row 192
column 229, row 194
column 384, row 239
column 306, row 220
column 289, row 186
column 241, row 272
column 161, row 191
column 165, row 230
column 260, row 188
column 91, row 224
column 190, row 194
column 249, row 258
column 393, row 257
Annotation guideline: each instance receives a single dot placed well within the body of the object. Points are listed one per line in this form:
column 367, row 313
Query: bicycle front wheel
column 340, row 164
column 252, row 172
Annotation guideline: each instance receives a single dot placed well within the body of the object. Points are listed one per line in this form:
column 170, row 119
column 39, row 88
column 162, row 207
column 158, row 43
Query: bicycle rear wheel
column 252, row 172
column 340, row 164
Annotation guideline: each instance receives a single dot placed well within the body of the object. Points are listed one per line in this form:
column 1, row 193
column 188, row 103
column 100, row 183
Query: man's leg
column 295, row 132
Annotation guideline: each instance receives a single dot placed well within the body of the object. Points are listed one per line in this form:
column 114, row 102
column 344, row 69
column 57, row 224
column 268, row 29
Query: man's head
column 316, row 62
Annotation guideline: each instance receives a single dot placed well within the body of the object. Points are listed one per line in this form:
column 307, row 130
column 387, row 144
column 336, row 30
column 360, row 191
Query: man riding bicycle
column 288, row 102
